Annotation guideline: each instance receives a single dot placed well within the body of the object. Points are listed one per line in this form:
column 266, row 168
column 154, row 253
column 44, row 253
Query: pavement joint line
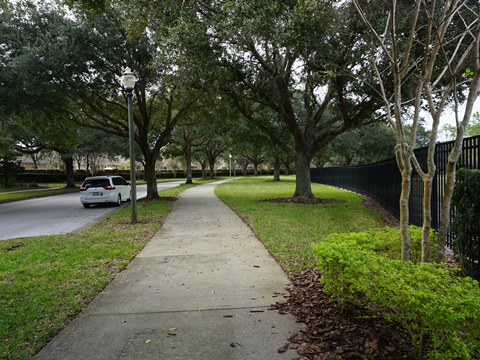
column 182, row 311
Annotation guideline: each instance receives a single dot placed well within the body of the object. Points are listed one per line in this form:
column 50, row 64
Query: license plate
column 96, row 194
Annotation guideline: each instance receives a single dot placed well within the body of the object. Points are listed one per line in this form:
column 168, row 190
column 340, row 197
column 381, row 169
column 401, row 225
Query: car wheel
column 119, row 200
column 129, row 196
column 86, row 206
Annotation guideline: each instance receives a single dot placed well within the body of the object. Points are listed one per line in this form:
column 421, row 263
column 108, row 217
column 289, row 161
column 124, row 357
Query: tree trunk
column 403, row 156
column 303, row 186
column 88, row 165
column 34, row 159
column 244, row 170
column 69, row 172
column 427, row 189
column 276, row 169
column 446, row 202
column 187, row 151
column 212, row 169
column 427, row 214
column 150, row 178
column 405, row 214
column 452, row 162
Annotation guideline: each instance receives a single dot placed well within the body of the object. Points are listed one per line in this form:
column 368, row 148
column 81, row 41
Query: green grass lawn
column 289, row 230
column 45, row 281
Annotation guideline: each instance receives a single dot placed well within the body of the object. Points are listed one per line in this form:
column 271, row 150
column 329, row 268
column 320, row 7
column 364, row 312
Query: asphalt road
column 52, row 215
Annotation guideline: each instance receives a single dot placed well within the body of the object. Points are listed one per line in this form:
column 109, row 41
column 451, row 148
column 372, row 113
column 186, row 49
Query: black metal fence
column 382, row 180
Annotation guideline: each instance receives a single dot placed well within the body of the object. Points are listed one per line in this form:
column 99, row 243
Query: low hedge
column 50, row 177
column 439, row 309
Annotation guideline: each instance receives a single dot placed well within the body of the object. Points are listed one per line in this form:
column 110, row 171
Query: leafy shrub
column 466, row 222
column 429, row 301
column 387, row 241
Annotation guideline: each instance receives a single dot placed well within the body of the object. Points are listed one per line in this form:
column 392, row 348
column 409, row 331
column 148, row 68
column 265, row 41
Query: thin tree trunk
column 88, row 164
column 187, row 150
column 405, row 215
column 276, row 168
column 287, row 170
column 69, row 172
column 212, row 169
column 204, row 171
column 445, row 209
column 453, row 159
column 427, row 215
column 34, row 159
column 403, row 158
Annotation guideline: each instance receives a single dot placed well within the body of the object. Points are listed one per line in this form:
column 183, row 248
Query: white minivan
column 104, row 189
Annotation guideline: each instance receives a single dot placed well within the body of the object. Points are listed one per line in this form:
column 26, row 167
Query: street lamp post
column 230, row 156
column 128, row 82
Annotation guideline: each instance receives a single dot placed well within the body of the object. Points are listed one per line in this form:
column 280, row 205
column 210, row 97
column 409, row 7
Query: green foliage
column 364, row 145
column 439, row 309
column 466, row 222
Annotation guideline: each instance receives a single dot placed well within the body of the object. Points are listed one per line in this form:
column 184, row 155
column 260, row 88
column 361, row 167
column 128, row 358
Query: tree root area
column 332, row 332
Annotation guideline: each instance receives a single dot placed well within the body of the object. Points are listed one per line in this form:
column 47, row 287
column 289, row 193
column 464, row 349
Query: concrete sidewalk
column 200, row 289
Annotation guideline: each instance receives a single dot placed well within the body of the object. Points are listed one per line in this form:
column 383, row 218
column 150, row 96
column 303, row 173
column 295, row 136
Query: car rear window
column 119, row 181
column 96, row 183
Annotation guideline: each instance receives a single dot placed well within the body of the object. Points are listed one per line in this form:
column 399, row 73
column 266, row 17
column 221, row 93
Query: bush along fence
column 382, row 180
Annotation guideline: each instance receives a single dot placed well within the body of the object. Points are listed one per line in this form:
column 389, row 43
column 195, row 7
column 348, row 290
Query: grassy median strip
column 30, row 194
column 289, row 230
column 45, row 281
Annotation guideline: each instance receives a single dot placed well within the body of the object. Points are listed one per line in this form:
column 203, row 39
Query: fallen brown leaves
column 333, row 333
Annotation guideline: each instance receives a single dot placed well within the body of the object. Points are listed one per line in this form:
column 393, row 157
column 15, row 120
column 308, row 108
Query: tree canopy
column 299, row 71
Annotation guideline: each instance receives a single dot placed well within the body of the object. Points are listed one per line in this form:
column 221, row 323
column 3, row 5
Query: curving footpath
column 200, row 289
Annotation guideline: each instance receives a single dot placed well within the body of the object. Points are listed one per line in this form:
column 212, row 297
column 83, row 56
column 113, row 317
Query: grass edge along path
column 46, row 281
column 289, row 230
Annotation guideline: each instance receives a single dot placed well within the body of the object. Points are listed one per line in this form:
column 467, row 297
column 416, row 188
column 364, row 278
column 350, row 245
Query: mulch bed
column 332, row 332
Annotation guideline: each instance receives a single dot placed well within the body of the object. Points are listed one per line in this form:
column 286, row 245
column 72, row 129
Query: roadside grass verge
column 46, row 281
column 30, row 194
column 289, row 230
column 23, row 193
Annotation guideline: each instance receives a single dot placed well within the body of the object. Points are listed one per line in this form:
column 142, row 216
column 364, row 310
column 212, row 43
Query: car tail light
column 109, row 187
column 83, row 188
